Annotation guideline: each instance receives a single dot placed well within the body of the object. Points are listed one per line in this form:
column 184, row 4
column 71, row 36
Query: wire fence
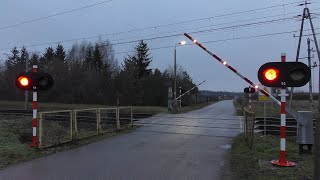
column 125, row 116
column 108, row 119
column 86, row 122
column 249, row 126
column 55, row 128
column 58, row 127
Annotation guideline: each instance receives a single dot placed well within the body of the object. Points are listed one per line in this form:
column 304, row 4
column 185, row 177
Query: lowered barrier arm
column 296, row 116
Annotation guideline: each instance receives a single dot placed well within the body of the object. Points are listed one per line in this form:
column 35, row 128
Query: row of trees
column 90, row 73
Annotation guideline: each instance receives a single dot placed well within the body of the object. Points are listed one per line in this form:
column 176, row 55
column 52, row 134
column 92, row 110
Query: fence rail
column 58, row 127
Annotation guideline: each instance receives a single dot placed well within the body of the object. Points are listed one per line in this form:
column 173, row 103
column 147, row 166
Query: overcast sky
column 243, row 53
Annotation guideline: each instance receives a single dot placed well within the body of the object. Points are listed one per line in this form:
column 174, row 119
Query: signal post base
column 283, row 163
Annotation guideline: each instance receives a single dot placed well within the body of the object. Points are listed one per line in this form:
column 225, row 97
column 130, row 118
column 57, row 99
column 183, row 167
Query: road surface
column 193, row 145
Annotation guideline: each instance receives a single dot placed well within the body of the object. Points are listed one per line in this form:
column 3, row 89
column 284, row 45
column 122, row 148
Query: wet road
column 193, row 145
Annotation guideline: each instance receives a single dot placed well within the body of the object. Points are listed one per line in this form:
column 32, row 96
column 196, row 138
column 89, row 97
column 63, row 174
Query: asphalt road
column 193, row 145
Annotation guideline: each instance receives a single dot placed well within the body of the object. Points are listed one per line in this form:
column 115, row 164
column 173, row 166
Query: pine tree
column 97, row 59
column 13, row 59
column 60, row 54
column 136, row 66
column 34, row 59
column 88, row 58
column 47, row 60
column 23, row 59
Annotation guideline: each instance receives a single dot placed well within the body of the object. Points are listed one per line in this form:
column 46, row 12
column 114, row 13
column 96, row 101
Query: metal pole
column 310, row 82
column 175, row 79
column 265, row 120
column 26, row 92
column 298, row 51
column 180, row 98
column 317, row 133
column 283, row 161
column 250, row 102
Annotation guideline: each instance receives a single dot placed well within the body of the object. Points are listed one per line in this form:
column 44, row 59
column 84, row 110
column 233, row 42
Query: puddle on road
column 226, row 146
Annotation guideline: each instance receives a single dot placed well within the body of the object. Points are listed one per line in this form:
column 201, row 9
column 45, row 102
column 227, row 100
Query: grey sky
column 246, row 55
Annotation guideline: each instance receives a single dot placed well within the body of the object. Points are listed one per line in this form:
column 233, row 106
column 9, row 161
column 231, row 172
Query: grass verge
column 273, row 110
column 15, row 149
column 255, row 163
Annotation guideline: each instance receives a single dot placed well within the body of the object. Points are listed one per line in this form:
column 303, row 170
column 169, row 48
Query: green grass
column 245, row 162
column 15, row 133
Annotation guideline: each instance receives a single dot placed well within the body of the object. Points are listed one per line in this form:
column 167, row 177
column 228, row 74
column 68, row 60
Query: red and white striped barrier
column 34, row 112
column 233, row 70
column 283, row 161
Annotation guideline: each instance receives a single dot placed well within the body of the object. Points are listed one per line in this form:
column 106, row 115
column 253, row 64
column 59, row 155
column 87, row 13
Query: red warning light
column 24, row 81
column 271, row 74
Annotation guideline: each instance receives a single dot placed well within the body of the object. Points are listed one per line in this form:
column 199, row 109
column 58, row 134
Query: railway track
column 273, row 126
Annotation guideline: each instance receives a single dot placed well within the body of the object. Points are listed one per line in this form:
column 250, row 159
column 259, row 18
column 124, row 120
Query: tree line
column 89, row 73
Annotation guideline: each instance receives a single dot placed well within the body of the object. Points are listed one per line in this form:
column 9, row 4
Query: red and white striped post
column 283, row 161
column 34, row 112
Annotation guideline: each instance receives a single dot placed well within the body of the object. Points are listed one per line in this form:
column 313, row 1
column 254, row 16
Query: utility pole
column 317, row 133
column 175, row 80
column 310, row 82
column 306, row 15
column 26, row 92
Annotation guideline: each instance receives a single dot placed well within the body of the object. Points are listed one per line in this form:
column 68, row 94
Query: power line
column 184, row 29
column 152, row 27
column 54, row 15
column 228, row 39
column 97, row 36
column 210, row 30
column 206, row 18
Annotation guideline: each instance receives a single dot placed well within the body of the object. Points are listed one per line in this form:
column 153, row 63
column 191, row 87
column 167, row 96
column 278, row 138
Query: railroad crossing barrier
column 58, row 127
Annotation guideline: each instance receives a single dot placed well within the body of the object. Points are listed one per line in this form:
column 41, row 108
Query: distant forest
column 89, row 73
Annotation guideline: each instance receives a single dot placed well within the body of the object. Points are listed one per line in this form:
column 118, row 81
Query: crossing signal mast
column 34, row 81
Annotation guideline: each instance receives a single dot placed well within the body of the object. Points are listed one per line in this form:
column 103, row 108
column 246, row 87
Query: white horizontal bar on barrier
column 49, row 112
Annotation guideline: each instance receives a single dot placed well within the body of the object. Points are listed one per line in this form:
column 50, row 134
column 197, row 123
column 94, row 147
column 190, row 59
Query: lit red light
column 24, row 81
column 271, row 74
